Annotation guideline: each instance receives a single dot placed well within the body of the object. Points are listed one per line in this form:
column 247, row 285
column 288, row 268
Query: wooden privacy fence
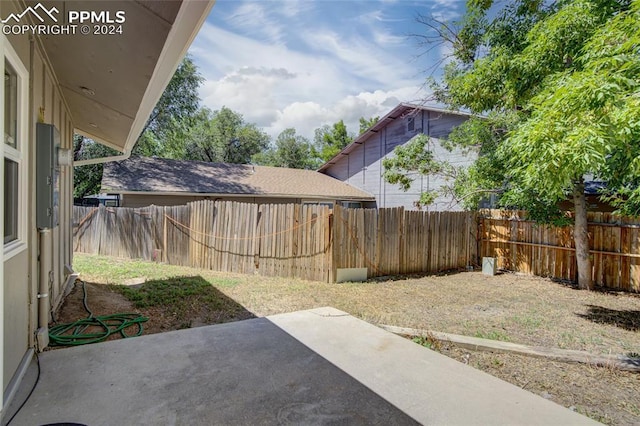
column 523, row 246
column 312, row 242
column 288, row 240
column 394, row 241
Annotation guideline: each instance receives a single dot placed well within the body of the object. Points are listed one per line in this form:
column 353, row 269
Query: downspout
column 46, row 276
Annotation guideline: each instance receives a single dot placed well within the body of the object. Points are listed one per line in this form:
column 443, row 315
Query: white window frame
column 18, row 154
column 411, row 124
column 327, row 203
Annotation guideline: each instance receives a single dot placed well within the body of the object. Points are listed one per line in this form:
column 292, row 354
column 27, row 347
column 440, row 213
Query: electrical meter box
column 47, row 175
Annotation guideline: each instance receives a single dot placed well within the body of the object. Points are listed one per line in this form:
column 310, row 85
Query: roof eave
column 190, row 18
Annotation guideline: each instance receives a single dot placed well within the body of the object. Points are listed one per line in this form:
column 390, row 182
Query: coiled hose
column 75, row 333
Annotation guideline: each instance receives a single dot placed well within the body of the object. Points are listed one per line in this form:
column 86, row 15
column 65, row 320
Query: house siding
column 21, row 272
column 16, row 315
column 362, row 167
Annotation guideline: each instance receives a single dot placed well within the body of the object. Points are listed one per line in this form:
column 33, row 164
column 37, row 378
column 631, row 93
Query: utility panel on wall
column 47, row 175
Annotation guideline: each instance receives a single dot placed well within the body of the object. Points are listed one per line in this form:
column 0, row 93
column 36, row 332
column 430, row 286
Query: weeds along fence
column 523, row 246
column 288, row 240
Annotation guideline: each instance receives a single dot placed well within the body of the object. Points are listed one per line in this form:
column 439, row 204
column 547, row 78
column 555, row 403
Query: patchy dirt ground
column 520, row 309
column 104, row 300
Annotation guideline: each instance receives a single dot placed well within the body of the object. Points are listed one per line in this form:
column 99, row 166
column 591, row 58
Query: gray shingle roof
column 144, row 174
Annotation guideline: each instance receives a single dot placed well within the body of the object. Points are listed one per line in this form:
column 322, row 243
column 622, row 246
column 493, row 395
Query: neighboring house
column 98, row 200
column 103, row 86
column 142, row 181
column 592, row 191
column 360, row 163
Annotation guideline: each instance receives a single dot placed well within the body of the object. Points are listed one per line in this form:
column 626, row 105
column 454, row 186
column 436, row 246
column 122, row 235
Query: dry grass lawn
column 527, row 310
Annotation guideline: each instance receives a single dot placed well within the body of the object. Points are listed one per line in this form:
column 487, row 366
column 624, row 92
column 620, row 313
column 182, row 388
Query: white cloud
column 385, row 38
column 379, row 25
column 305, row 117
column 294, row 8
column 281, row 66
column 255, row 19
column 363, row 60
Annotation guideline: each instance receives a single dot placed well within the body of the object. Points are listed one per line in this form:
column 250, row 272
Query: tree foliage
column 290, row 150
column 547, row 80
column 365, row 124
column 173, row 114
column 223, row 136
column 87, row 179
column 329, row 140
column 413, row 159
column 585, row 120
column 558, row 85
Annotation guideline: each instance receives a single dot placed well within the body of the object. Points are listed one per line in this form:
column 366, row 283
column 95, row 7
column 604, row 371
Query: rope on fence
column 82, row 222
column 355, row 242
column 244, row 238
column 86, row 217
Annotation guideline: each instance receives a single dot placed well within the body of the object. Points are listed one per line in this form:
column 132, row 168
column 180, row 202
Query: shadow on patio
column 320, row 366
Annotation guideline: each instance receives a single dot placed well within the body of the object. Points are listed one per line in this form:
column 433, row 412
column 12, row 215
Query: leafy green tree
column 329, row 140
column 290, row 150
column 414, row 158
column 173, row 114
column 223, row 136
column 584, row 121
column 87, row 179
column 558, row 84
column 366, row 124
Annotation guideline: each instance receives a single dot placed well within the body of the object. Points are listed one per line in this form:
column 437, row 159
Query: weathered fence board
column 393, row 241
column 523, row 246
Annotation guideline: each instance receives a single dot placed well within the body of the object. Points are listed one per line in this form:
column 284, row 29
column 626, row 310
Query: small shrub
column 429, row 341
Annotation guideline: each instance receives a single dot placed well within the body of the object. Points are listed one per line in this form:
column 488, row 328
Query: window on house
column 411, row 124
column 317, row 203
column 10, row 104
column 352, row 204
column 14, row 154
column 10, row 201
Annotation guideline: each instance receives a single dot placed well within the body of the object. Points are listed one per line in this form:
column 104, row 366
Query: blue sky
column 306, row 63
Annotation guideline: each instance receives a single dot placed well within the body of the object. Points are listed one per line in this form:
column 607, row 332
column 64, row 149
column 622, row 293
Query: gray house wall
column 362, row 167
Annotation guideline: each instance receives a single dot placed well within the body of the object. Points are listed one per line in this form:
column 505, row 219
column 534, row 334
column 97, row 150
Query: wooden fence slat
column 550, row 251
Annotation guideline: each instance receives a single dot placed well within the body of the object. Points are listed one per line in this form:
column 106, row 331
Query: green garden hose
column 75, row 333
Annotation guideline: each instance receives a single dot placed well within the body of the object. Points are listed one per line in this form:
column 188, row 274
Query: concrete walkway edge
column 620, row 362
column 428, row 386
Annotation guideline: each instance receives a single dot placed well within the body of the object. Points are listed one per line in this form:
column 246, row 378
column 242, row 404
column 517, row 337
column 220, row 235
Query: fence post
column 165, row 258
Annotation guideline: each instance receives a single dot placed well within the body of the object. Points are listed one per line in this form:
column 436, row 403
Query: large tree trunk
column 581, row 237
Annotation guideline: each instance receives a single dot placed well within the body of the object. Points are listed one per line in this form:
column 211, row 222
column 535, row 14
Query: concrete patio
column 314, row 367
